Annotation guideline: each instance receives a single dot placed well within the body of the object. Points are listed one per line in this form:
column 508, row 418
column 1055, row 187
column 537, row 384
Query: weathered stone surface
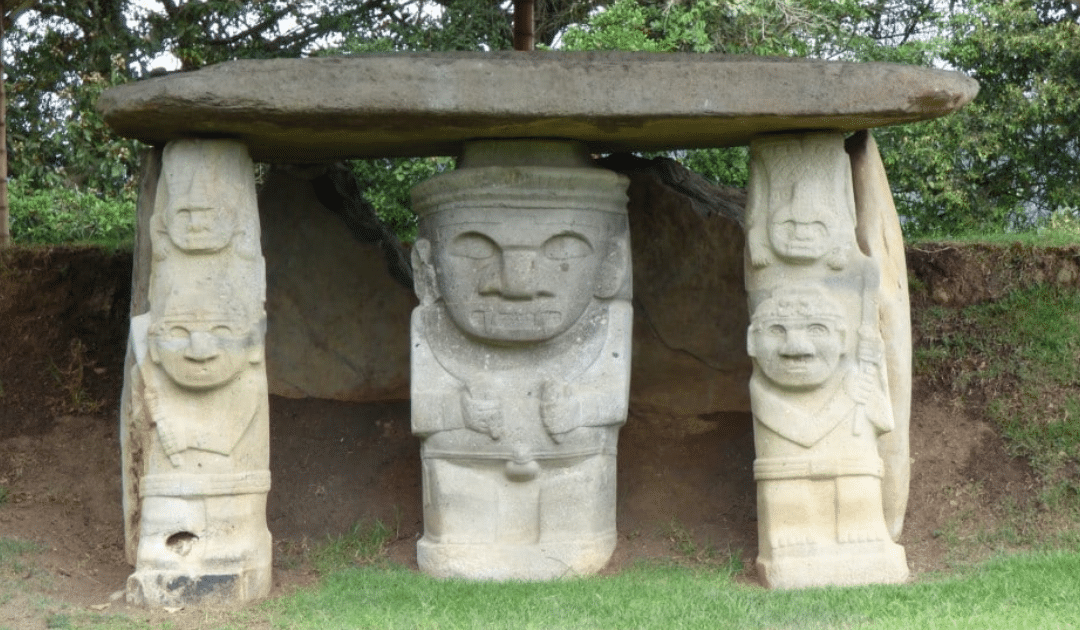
column 820, row 391
column 520, row 361
column 325, row 109
column 196, row 425
column 690, row 303
column 879, row 234
column 131, row 449
column 338, row 324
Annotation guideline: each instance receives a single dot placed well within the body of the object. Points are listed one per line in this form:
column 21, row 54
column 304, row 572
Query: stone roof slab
column 417, row 104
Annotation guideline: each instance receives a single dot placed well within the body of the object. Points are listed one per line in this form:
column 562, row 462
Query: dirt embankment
column 950, row 274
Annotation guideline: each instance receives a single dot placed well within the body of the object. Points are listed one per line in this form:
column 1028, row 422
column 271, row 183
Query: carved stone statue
column 199, row 408
column 820, row 391
column 520, row 361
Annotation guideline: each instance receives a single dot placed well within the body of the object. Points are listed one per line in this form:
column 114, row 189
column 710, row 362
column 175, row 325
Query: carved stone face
column 198, row 218
column 520, row 275
column 797, row 344
column 205, row 186
column 800, row 229
column 201, row 353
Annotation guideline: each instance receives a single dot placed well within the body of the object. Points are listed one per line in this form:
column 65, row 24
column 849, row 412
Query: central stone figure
column 520, row 360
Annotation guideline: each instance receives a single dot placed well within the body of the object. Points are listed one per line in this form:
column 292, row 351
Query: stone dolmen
column 521, row 345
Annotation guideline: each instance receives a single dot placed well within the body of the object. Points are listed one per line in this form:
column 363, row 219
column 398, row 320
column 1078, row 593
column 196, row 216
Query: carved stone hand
column 482, row 411
column 558, row 409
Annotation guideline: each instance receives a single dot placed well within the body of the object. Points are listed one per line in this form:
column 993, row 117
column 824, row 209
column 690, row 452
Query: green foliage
column 66, row 56
column 386, row 184
column 1009, row 160
column 1054, row 233
column 623, row 25
column 759, row 27
column 729, row 166
column 65, row 215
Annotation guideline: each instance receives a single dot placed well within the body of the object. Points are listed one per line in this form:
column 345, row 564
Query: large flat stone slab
column 297, row 110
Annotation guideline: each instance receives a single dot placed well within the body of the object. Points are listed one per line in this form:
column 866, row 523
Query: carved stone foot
column 177, row 588
column 205, row 551
column 539, row 561
column 881, row 562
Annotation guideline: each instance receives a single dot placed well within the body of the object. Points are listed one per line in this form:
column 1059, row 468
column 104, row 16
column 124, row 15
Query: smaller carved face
column 199, row 228
column 524, row 277
column 200, row 213
column 798, row 240
column 797, row 342
column 800, row 236
column 203, row 353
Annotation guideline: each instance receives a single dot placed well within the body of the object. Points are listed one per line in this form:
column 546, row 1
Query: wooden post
column 524, row 27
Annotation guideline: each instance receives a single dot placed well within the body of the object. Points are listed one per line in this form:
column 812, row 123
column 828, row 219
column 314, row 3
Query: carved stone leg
column 490, row 526
column 827, row 425
column 520, row 361
column 195, row 419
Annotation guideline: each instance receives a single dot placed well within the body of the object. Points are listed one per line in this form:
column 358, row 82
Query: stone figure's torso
column 515, row 380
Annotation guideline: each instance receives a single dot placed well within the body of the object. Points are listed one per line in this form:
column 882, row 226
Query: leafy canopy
column 1008, row 161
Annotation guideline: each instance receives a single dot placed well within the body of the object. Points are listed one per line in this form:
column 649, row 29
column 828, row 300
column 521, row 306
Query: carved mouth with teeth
column 799, row 361
column 515, row 321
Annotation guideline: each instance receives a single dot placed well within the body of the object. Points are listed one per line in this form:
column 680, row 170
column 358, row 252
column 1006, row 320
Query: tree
column 5, row 221
column 762, row 27
column 71, row 50
column 9, row 10
column 1009, row 160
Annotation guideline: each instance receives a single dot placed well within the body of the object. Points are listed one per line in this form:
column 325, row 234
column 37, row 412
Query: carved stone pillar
column 520, row 360
column 196, row 432
column 826, row 422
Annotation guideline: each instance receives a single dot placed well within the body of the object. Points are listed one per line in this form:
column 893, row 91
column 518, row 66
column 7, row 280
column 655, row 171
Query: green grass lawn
column 1034, row 591
column 1037, row 591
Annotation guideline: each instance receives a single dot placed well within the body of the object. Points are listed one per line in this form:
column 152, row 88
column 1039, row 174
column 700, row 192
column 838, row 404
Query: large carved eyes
column 566, row 247
column 177, row 332
column 817, row 330
column 777, row 330
column 473, row 245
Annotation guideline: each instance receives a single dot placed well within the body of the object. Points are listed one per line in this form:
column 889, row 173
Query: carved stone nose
column 200, row 219
column 803, row 231
column 518, row 267
column 202, row 347
column 797, row 344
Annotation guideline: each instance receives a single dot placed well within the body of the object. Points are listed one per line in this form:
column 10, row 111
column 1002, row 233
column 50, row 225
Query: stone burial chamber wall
column 550, row 294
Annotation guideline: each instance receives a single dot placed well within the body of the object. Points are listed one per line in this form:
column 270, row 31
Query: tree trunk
column 5, row 222
column 524, row 25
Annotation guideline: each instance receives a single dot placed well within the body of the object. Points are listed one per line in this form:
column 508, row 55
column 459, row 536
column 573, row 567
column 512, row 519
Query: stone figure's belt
column 190, row 484
column 430, row 453
column 777, row 468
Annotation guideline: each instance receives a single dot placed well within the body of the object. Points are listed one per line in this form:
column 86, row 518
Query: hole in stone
column 181, row 542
